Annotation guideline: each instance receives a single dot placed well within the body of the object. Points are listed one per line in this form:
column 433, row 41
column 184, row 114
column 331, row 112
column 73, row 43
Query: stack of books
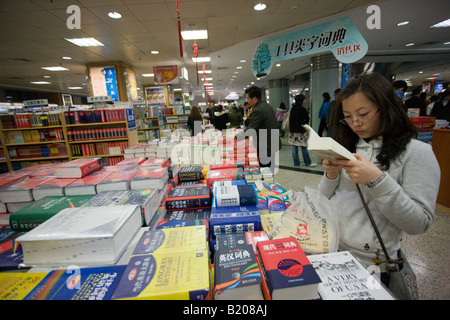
column 171, row 264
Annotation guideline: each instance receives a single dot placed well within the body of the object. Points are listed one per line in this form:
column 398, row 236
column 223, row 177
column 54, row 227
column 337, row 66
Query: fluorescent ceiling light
column 242, row 61
column 409, row 44
column 206, row 71
column 154, row 52
column 47, row 77
column 201, row 59
column 148, row 74
column 40, row 82
column 442, row 24
column 55, row 68
column 403, row 23
column 194, row 34
column 259, row 6
column 67, row 58
column 115, row 15
column 74, row 88
column 177, row 89
column 446, row 43
column 238, row 67
column 207, row 79
column 85, row 42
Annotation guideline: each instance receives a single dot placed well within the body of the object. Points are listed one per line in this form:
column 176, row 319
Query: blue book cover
column 236, row 219
column 234, row 195
column 96, row 283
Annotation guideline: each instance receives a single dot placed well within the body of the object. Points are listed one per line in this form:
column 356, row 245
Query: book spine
column 192, row 203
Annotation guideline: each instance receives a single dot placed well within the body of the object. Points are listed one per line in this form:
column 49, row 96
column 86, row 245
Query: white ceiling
column 32, row 35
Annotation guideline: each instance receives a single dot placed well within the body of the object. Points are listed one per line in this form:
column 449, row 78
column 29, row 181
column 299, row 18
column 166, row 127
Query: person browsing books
column 297, row 134
column 398, row 175
column 263, row 127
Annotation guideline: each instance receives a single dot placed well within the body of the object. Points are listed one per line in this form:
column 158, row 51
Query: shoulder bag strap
column 372, row 221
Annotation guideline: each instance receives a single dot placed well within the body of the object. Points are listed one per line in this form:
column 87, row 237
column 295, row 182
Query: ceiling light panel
column 194, row 34
column 85, row 42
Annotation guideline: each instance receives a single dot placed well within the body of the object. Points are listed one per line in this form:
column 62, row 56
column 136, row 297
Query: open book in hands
column 327, row 147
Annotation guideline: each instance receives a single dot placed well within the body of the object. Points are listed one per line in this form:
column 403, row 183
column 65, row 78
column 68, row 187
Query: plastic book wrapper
column 311, row 220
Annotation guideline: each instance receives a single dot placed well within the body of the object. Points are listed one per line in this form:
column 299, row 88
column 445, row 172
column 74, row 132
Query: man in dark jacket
column 265, row 125
column 416, row 102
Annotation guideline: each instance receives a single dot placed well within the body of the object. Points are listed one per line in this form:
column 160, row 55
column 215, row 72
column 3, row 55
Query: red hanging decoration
column 196, row 56
column 179, row 31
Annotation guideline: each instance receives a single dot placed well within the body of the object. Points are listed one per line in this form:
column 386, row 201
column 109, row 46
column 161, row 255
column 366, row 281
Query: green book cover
column 43, row 209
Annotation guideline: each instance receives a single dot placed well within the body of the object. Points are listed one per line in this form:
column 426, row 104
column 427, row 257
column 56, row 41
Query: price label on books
column 35, row 103
column 131, row 119
column 99, row 99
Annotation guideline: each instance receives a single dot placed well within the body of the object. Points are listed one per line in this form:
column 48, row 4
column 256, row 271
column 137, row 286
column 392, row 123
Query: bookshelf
column 72, row 135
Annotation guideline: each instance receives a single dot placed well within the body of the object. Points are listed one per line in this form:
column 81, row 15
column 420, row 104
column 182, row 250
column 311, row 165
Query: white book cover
column 82, row 236
column 345, row 278
column 327, row 147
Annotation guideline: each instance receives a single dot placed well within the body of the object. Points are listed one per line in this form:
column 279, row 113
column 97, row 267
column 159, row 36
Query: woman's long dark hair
column 395, row 127
column 195, row 114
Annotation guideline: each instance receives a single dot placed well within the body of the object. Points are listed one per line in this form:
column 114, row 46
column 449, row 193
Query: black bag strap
column 372, row 221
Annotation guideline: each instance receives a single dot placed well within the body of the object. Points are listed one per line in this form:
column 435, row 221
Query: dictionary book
column 146, row 199
column 79, row 168
column 172, row 240
column 170, row 276
column 287, row 271
column 74, row 283
column 35, row 213
column 85, row 236
column 236, row 272
column 195, row 197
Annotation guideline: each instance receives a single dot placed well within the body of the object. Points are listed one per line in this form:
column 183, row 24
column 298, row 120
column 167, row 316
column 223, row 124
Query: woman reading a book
column 397, row 174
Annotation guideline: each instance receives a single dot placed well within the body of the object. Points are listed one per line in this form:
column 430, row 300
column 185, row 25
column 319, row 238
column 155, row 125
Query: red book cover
column 152, row 173
column 93, row 179
column 79, row 168
column 161, row 162
column 131, row 161
column 286, row 269
column 224, row 174
column 22, row 191
column 117, row 181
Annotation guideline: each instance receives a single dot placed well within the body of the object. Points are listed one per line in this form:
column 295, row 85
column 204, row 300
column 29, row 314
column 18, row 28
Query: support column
column 278, row 92
column 325, row 77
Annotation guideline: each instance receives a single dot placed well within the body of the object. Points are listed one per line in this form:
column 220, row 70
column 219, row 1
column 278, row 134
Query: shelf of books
column 28, row 139
column 32, row 138
column 135, row 228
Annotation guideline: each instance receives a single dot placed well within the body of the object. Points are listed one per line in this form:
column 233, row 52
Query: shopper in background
column 264, row 123
column 415, row 102
column 399, row 189
column 194, row 116
column 210, row 112
column 220, row 117
column 235, row 117
column 441, row 108
column 331, row 112
column 281, row 112
column 248, row 109
column 430, row 106
column 400, row 87
column 298, row 136
column 323, row 112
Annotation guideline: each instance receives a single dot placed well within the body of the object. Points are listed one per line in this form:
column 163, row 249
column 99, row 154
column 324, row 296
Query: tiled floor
column 427, row 253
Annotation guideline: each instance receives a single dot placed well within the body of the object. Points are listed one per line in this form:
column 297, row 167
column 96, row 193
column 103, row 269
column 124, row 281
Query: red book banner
column 166, row 74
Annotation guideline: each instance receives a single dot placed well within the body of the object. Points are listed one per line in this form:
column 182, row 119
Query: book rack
column 29, row 139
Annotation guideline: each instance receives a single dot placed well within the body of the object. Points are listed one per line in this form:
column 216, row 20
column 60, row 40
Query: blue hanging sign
column 111, row 83
column 340, row 36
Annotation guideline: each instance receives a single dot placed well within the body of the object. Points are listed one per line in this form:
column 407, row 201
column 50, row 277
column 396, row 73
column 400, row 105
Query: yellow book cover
column 168, row 276
column 15, row 286
column 35, row 137
column 27, row 136
column 172, row 240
